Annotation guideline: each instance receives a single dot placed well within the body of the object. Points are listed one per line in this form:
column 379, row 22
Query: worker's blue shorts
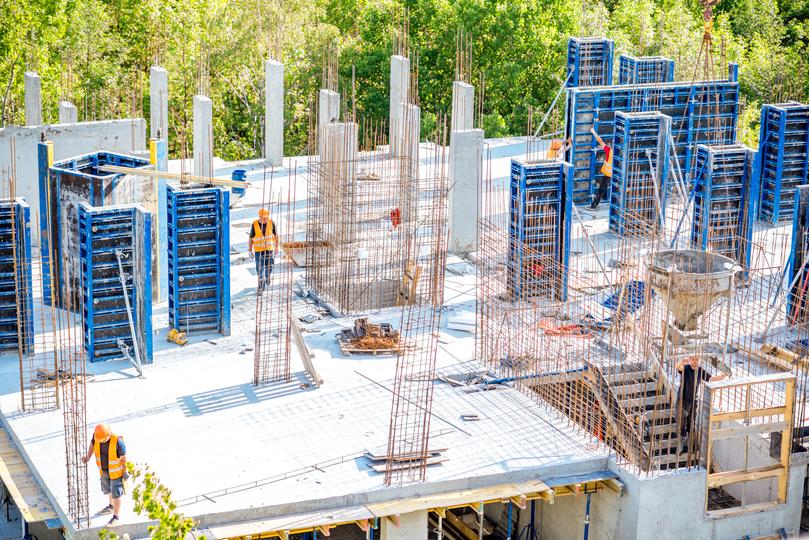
column 114, row 487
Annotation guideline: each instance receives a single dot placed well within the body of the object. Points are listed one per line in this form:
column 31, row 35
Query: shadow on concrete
column 242, row 394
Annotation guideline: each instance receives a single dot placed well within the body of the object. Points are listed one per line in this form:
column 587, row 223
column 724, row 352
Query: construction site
column 597, row 329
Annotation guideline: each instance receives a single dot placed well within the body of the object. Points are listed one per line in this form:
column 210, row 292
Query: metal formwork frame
column 782, row 157
column 701, row 112
column 589, row 61
column 644, row 69
column 641, row 156
column 16, row 284
column 725, row 201
column 103, row 233
column 53, row 217
column 539, row 190
column 199, row 259
column 798, row 265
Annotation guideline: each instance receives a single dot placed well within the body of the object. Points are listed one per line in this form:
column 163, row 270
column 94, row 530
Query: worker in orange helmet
column 263, row 243
column 110, row 452
column 557, row 148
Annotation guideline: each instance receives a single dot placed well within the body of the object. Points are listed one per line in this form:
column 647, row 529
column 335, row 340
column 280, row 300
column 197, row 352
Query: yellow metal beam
column 27, row 494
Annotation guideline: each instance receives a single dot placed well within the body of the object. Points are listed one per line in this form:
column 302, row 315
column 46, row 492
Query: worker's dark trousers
column 686, row 416
column 264, row 262
column 603, row 191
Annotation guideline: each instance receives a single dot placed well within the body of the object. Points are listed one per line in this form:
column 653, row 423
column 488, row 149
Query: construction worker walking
column 606, row 170
column 262, row 245
column 110, row 453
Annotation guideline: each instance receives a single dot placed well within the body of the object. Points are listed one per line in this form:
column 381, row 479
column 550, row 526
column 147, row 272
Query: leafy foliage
column 97, row 53
column 154, row 500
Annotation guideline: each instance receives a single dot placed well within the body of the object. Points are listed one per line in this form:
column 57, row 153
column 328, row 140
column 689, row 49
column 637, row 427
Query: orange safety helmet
column 556, row 144
column 263, row 213
column 102, row 433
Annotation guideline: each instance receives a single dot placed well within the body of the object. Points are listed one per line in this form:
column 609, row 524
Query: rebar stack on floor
column 271, row 356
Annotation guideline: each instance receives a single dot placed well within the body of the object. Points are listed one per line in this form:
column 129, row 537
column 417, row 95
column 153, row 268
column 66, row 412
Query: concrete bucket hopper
column 690, row 282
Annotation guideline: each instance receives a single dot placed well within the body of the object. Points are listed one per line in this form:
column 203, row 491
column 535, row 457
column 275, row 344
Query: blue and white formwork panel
column 798, row 295
column 539, row 229
column 783, row 158
column 199, row 259
column 589, row 61
column 702, row 113
column 63, row 186
column 640, row 172
column 725, row 201
column 645, row 69
column 16, row 293
column 104, row 234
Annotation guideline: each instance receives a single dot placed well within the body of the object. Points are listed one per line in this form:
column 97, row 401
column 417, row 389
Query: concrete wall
column 203, row 136
column 124, row 136
column 33, row 99
column 412, row 526
column 399, row 91
column 465, row 174
column 328, row 110
column 68, row 114
column 274, row 112
column 463, row 106
column 158, row 103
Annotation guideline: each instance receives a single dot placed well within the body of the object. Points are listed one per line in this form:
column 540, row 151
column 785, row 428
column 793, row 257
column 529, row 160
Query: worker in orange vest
column 606, row 170
column 557, row 148
column 263, row 244
column 110, row 452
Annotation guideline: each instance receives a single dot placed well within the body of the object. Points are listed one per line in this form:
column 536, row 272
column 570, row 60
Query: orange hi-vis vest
column 262, row 242
column 115, row 465
column 606, row 169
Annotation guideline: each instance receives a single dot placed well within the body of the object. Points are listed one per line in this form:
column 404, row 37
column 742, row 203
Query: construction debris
column 369, row 338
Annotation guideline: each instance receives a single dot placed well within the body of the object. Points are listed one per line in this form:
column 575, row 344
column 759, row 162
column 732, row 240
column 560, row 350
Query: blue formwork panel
column 782, row 153
column 725, row 201
column 16, row 294
column 702, row 113
column 62, row 188
column 539, row 229
column 589, row 61
column 640, row 172
column 103, row 233
column 797, row 296
column 199, row 259
column 645, row 69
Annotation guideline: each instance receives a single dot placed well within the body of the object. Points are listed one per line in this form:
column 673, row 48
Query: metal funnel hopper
column 690, row 282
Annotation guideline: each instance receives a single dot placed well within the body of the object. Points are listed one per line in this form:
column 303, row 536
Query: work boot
column 106, row 510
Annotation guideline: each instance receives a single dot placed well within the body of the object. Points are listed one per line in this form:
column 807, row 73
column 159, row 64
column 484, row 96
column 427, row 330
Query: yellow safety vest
column 260, row 241
column 115, row 464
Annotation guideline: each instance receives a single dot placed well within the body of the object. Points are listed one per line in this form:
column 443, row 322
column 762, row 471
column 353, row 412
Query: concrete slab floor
column 229, row 450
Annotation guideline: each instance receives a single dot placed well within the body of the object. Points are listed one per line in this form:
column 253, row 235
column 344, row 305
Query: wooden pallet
column 348, row 349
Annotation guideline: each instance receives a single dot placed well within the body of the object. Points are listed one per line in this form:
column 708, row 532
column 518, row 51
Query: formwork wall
column 702, row 113
column 796, row 305
column 645, row 69
column 199, row 259
column 640, row 172
column 103, row 233
column 783, row 157
column 539, row 229
column 68, row 183
column 589, row 61
column 725, row 201
column 16, row 287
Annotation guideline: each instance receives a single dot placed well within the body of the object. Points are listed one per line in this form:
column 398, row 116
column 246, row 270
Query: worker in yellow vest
column 263, row 244
column 557, row 148
column 606, row 170
column 110, row 452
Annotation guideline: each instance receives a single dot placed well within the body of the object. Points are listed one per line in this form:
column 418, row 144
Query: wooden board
column 381, row 468
column 374, row 456
column 28, row 496
column 348, row 349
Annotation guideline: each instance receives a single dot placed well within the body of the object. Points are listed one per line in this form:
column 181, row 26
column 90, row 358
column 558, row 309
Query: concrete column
column 340, row 144
column 466, row 175
column 203, row 136
column 33, row 99
column 274, row 112
column 68, row 113
column 408, row 132
column 463, row 106
column 399, row 91
column 412, row 526
column 328, row 110
column 159, row 103
column 159, row 158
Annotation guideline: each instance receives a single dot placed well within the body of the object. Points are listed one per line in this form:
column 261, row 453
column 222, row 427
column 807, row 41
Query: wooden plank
column 752, row 413
column 182, row 177
column 462, row 527
column 27, row 494
column 400, row 465
column 732, row 477
column 758, row 507
column 743, row 431
column 751, row 379
column 305, row 354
